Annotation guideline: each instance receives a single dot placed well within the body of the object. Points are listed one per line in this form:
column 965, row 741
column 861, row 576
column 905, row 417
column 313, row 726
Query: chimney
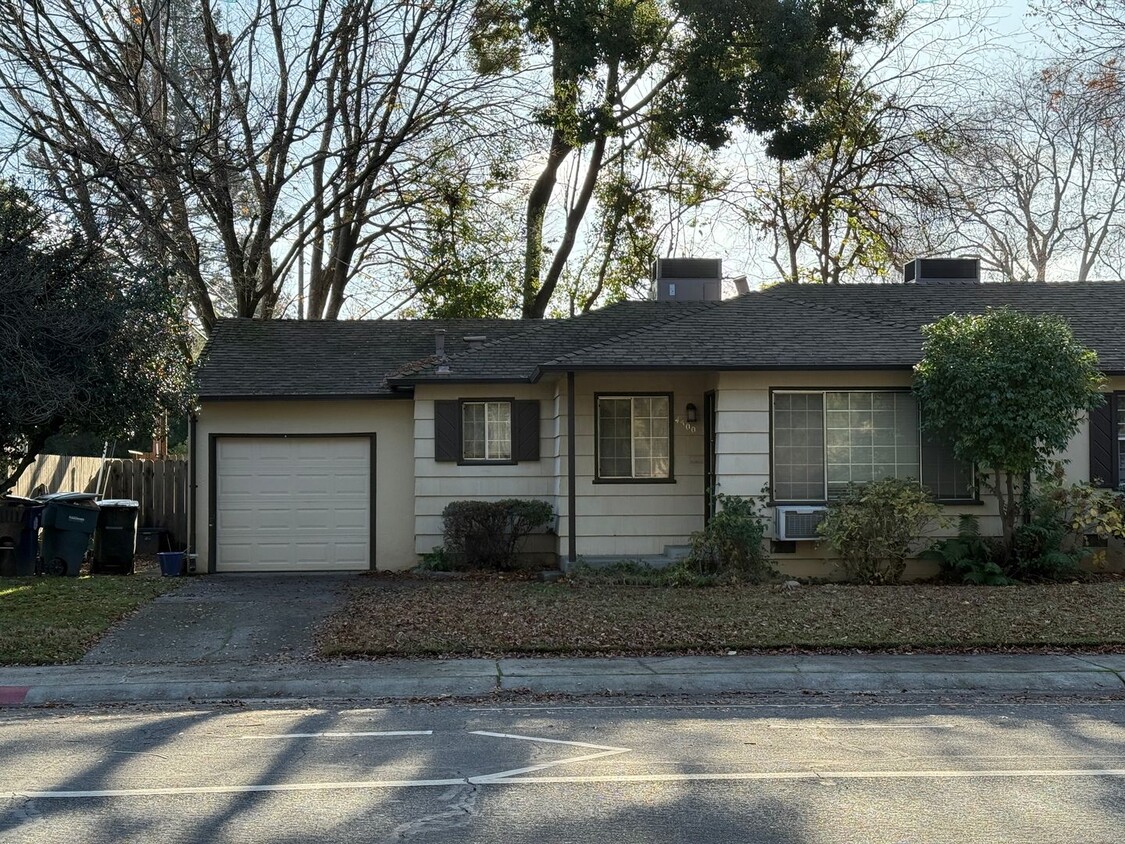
column 439, row 351
column 687, row 279
column 942, row 271
column 741, row 285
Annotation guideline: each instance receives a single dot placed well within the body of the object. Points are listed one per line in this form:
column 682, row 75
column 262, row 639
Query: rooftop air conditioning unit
column 799, row 522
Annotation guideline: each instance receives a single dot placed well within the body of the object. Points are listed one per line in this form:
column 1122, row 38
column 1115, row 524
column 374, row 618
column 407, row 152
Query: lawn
column 403, row 616
column 46, row 620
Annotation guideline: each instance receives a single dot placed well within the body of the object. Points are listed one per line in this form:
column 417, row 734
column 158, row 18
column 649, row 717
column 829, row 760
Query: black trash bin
column 69, row 520
column 115, row 540
column 19, row 535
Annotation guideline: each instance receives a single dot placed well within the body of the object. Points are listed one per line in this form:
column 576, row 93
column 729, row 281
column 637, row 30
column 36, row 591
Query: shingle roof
column 785, row 327
column 278, row 358
column 848, row 327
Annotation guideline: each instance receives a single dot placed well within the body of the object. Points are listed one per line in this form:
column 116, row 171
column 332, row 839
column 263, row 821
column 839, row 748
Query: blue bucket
column 171, row 563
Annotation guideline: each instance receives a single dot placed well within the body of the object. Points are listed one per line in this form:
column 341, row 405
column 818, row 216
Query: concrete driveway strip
column 227, row 618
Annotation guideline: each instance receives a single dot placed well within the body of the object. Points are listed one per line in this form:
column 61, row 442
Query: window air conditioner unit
column 799, row 522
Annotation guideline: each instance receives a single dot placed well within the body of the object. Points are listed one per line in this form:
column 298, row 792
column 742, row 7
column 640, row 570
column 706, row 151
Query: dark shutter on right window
column 1103, row 445
column 526, row 431
column 447, row 431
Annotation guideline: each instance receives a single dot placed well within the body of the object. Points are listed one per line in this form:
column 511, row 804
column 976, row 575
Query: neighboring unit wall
column 391, row 420
column 436, row 484
column 743, row 452
column 638, row 518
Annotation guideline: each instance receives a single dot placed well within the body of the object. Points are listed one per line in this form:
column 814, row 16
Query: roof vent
column 475, row 341
column 942, row 271
column 687, row 279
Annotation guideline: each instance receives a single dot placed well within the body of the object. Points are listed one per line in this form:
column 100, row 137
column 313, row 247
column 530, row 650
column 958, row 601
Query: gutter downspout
column 191, row 550
column 571, row 495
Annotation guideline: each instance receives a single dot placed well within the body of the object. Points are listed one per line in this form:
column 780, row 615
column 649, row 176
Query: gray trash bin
column 69, row 520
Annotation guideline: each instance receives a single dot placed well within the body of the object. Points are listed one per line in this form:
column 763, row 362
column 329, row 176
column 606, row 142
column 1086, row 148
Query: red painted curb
column 10, row 695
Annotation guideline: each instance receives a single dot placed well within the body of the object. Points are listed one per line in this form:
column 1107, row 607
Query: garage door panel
column 298, row 504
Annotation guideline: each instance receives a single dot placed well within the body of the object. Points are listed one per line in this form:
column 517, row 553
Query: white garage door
column 292, row 504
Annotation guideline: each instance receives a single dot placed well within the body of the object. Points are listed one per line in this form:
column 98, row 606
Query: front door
column 708, row 455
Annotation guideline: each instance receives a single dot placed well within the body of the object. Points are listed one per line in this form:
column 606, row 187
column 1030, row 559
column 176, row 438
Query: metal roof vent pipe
column 439, row 352
column 945, row 271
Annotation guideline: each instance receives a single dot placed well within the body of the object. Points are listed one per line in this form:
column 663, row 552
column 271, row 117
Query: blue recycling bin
column 69, row 520
column 19, row 535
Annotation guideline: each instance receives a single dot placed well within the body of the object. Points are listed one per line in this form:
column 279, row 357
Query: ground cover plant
column 395, row 615
column 47, row 620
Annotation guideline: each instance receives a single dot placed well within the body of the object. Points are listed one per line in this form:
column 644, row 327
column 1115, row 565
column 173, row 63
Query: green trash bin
column 69, row 520
column 115, row 539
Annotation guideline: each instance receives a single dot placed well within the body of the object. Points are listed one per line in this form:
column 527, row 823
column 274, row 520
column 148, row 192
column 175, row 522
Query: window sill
column 634, row 480
column 487, row 462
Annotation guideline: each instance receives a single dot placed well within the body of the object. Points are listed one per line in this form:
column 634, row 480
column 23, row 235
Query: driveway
column 227, row 619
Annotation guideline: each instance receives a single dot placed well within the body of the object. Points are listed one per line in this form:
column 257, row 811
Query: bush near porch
column 401, row 616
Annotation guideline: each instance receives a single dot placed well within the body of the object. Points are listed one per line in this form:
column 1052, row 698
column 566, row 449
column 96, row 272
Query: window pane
column 871, row 436
column 798, row 439
column 944, row 475
column 615, row 452
column 499, row 428
column 472, row 431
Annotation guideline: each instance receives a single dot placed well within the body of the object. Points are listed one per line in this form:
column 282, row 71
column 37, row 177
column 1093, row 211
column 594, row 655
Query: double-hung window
column 486, row 430
column 634, row 438
column 825, row 440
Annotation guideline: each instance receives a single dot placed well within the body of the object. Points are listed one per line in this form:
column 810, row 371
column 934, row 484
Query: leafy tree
column 663, row 69
column 1006, row 390
column 87, row 345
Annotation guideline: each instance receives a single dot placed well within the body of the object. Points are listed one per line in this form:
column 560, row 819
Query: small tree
column 1006, row 390
column 85, row 344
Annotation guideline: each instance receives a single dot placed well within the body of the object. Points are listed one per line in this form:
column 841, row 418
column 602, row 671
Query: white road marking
column 861, row 726
column 604, row 751
column 608, row 778
column 819, row 775
column 338, row 734
column 546, row 740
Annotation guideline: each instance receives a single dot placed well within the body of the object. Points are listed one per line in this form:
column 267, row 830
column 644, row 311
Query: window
column 634, row 437
column 823, row 441
column 486, row 430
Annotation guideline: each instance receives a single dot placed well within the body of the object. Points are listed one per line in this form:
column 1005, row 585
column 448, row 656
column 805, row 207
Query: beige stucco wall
column 390, row 420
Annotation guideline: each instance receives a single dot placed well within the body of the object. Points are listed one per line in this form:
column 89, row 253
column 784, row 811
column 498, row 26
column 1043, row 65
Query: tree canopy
column 1006, row 390
column 87, row 344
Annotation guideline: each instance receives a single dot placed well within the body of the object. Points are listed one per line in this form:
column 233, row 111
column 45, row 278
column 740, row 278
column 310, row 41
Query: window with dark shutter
column 486, row 431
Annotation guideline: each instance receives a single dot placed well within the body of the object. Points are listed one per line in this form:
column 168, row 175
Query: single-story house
column 335, row 445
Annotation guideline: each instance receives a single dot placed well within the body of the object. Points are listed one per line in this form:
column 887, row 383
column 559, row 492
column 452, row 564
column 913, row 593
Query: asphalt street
column 815, row 770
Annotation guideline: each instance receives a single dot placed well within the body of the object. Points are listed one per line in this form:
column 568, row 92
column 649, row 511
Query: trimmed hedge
column 487, row 534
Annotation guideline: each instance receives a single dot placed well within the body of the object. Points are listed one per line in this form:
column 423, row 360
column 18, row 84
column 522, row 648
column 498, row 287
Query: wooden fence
column 160, row 486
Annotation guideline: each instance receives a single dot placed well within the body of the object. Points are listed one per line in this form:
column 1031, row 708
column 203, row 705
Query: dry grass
column 403, row 616
column 46, row 620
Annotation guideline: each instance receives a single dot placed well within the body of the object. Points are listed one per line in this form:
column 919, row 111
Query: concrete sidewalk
column 117, row 683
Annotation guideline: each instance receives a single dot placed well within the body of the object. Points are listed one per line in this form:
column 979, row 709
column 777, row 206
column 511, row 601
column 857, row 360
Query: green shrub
column 680, row 574
column 487, row 534
column 970, row 557
column 732, row 544
column 875, row 526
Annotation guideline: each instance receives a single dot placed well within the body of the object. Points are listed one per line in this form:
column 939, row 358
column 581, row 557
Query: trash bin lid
column 120, row 503
column 69, row 497
column 20, row 501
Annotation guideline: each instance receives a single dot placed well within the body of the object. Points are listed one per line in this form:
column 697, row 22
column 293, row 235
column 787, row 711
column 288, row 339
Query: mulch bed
column 404, row 616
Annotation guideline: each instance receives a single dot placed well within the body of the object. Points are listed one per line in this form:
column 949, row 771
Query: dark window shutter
column 447, row 431
column 526, row 431
column 1103, row 462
